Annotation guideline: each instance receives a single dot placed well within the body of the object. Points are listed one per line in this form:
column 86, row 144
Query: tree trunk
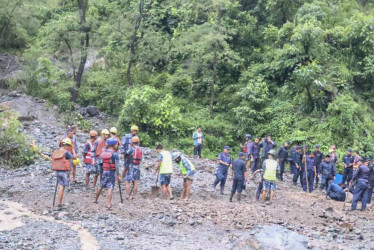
column 6, row 24
column 212, row 84
column 85, row 42
column 134, row 42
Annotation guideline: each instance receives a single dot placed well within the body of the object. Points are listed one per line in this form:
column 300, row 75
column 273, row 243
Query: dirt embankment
column 294, row 221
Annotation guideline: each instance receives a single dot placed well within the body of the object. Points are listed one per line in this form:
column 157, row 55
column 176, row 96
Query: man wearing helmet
column 126, row 142
column 98, row 147
column 62, row 175
column 87, row 155
column 134, row 154
column 270, row 167
column 113, row 134
column 70, row 134
column 110, row 163
column 188, row 171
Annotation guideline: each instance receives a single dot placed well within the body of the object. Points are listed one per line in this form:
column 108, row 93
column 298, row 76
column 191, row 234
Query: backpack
column 108, row 164
column 59, row 162
column 137, row 155
column 126, row 141
column 244, row 148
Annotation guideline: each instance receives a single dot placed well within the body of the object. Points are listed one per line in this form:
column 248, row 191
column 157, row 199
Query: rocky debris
column 92, row 111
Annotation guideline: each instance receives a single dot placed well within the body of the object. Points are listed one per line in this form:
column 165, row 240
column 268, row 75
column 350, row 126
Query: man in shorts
column 188, row 171
column 270, row 168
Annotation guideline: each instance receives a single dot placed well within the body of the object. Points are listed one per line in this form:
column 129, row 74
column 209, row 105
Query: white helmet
column 176, row 155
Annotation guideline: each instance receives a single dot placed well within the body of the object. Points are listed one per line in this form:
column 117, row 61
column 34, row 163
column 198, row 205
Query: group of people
column 312, row 168
column 102, row 160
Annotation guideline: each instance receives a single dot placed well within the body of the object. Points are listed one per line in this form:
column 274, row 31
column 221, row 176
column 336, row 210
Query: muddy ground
column 295, row 220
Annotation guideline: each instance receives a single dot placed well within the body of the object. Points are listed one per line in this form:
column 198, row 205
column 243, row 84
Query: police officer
column 318, row 157
column 310, row 173
column 361, row 190
column 335, row 192
column 296, row 159
column 371, row 181
column 291, row 159
column 224, row 160
column 347, row 161
column 327, row 172
column 254, row 152
column 267, row 145
column 282, row 158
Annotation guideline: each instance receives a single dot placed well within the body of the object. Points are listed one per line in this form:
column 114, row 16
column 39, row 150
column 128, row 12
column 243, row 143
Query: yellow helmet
column 113, row 130
column 76, row 161
column 105, row 132
column 66, row 141
column 134, row 127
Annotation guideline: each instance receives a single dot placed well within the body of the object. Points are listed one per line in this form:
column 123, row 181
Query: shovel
column 155, row 189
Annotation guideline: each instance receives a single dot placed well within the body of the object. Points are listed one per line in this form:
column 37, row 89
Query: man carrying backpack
column 188, row 171
column 62, row 163
column 110, row 161
column 126, row 142
column 98, row 147
column 73, row 150
column 135, row 155
column 87, row 156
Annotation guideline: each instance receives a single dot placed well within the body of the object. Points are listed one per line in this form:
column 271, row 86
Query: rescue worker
column 327, row 172
column 126, row 142
column 110, row 162
column 98, row 147
column 239, row 174
column 87, row 156
column 224, row 160
column 270, row 167
column 254, row 152
column 188, row 171
column 348, row 161
column 335, row 192
column 165, row 168
column 65, row 163
column 267, row 145
column 318, row 157
column 73, row 150
column 308, row 176
column 113, row 134
column 361, row 190
column 248, row 145
column 282, row 158
column 371, row 181
column 298, row 172
column 198, row 140
column 135, row 156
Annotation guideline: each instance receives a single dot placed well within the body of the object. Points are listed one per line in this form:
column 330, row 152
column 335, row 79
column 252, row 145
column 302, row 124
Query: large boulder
column 92, row 111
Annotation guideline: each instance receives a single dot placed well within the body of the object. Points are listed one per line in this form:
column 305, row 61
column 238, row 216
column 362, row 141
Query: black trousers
column 197, row 150
column 347, row 175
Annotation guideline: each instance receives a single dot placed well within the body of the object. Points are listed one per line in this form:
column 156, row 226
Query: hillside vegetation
column 301, row 70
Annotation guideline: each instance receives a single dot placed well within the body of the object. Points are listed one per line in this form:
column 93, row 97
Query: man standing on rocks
column 347, row 161
column 113, row 134
column 298, row 172
column 327, row 172
column 188, row 171
column 270, row 167
column 248, row 145
column 110, row 160
column 126, row 142
column 239, row 174
column 62, row 161
column 224, row 160
column 165, row 168
column 267, row 145
column 282, row 158
column 73, row 150
column 135, row 155
column 361, row 190
column 318, row 157
column 308, row 176
column 98, row 147
column 254, row 152
column 87, row 156
column 198, row 140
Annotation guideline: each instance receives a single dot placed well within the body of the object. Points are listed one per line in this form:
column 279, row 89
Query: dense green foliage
column 299, row 69
column 14, row 150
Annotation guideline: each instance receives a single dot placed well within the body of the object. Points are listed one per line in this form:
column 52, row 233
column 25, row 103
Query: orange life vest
column 108, row 164
column 59, row 161
column 87, row 158
column 101, row 144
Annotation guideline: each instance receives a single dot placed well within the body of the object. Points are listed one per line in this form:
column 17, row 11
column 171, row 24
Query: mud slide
column 11, row 217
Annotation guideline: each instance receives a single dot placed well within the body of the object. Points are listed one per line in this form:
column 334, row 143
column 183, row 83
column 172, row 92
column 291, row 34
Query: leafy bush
column 14, row 150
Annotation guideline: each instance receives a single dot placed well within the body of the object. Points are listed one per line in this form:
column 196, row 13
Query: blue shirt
column 267, row 146
column 348, row 159
column 361, row 173
column 335, row 192
column 254, row 150
column 310, row 163
column 226, row 158
column 239, row 169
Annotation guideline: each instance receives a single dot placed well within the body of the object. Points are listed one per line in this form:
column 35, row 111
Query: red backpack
column 137, row 155
column 59, row 162
column 244, row 148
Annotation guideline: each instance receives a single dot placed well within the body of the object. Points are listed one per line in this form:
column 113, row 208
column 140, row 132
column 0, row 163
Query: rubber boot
column 232, row 195
column 239, row 197
column 222, row 193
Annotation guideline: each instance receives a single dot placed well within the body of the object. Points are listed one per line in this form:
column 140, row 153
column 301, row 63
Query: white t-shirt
column 199, row 138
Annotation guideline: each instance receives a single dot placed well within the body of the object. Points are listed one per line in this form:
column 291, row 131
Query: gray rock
column 92, row 111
